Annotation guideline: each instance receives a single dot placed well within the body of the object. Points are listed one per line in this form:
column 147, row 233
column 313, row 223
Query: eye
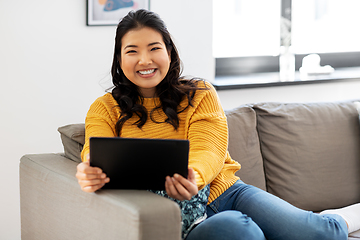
column 155, row 48
column 131, row 51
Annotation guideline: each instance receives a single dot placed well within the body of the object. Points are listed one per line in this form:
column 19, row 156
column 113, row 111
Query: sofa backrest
column 244, row 145
column 311, row 152
column 306, row 153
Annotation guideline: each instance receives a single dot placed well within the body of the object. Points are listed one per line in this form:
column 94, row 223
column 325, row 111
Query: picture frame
column 110, row 12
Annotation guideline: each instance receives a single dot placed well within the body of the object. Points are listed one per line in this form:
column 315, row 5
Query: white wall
column 52, row 67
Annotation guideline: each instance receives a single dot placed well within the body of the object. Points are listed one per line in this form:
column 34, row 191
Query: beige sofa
column 307, row 154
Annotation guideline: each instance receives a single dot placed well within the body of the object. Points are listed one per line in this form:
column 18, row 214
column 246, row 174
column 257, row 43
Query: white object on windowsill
column 311, row 66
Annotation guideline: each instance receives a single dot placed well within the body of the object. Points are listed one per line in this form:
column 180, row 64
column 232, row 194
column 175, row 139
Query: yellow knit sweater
column 204, row 125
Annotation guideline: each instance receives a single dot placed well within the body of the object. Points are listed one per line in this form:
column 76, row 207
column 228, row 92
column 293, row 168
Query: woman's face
column 145, row 60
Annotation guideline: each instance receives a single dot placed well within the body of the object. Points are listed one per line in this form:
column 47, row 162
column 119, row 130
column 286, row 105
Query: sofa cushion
column 311, row 153
column 244, row 145
column 73, row 139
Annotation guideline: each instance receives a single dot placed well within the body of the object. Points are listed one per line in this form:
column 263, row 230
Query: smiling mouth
column 147, row 72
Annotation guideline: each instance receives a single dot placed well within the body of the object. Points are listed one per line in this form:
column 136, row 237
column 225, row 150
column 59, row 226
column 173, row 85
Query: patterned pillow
column 193, row 211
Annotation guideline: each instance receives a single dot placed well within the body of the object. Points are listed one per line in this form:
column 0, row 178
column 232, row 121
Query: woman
column 151, row 100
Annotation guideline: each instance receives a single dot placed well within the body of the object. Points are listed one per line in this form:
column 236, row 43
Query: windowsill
column 259, row 80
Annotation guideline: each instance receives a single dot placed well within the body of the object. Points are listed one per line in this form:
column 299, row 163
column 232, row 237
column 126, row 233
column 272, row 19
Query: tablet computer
column 134, row 163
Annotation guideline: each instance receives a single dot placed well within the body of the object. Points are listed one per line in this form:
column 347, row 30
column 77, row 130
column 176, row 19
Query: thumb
column 191, row 176
column 87, row 159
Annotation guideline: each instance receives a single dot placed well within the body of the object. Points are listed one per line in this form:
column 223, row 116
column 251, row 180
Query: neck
column 148, row 93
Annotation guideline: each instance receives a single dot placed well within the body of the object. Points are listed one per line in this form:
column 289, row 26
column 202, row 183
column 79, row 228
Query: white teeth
column 147, row 71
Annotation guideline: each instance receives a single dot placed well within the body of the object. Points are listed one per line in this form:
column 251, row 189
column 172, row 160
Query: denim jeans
column 249, row 213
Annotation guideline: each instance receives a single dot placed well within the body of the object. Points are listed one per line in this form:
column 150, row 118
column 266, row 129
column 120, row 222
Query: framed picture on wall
column 109, row 12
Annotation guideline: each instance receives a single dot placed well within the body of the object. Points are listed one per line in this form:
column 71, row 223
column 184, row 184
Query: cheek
column 165, row 62
column 125, row 65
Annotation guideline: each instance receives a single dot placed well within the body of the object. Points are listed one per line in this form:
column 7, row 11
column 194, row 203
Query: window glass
column 322, row 26
column 246, row 28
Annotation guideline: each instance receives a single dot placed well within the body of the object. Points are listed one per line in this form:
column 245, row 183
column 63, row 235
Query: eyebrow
column 135, row 46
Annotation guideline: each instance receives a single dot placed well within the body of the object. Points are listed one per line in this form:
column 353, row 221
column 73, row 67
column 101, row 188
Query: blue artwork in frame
column 109, row 12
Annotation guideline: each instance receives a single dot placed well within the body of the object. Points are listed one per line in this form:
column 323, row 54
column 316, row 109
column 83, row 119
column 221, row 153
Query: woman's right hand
column 90, row 178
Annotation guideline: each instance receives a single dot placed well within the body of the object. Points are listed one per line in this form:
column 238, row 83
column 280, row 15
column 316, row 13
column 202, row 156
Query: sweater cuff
column 199, row 181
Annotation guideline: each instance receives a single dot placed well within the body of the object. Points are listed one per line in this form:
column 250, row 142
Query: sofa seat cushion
column 244, row 145
column 311, row 153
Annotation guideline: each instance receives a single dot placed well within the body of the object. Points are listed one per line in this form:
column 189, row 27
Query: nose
column 145, row 59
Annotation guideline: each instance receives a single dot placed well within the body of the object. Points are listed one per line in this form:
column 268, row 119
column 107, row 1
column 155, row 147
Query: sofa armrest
column 54, row 207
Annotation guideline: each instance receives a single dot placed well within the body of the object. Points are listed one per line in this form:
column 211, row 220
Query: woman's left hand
column 181, row 188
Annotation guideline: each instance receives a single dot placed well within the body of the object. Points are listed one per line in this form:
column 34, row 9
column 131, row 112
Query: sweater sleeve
column 100, row 122
column 208, row 136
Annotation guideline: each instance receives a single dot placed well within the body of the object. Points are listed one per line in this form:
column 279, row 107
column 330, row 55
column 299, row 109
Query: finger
column 171, row 189
column 167, row 186
column 176, row 190
column 91, row 186
column 189, row 186
column 183, row 187
column 93, row 182
column 90, row 177
column 90, row 189
column 86, row 168
column 82, row 166
column 191, row 176
column 94, row 170
column 84, row 176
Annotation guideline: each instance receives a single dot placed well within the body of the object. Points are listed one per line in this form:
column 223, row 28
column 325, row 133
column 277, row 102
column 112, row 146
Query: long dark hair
column 170, row 91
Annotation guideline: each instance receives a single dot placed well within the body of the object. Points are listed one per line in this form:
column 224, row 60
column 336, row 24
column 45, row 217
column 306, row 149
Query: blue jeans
column 249, row 213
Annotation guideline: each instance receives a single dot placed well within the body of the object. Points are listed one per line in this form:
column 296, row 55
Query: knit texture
column 204, row 125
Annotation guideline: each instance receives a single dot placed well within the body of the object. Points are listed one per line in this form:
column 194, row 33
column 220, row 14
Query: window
column 246, row 33
column 325, row 26
column 242, row 28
